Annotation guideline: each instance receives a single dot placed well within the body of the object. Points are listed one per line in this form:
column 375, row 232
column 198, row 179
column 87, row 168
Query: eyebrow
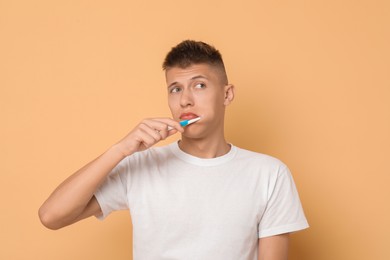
column 193, row 78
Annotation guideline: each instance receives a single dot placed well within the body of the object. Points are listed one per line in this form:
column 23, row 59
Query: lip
column 187, row 116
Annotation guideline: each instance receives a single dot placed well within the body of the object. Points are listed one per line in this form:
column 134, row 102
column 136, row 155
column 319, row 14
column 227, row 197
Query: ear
column 229, row 94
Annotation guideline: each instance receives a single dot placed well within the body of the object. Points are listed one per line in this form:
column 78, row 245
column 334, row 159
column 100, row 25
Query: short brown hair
column 191, row 52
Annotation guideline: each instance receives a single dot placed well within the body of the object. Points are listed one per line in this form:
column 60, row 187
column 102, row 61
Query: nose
column 186, row 98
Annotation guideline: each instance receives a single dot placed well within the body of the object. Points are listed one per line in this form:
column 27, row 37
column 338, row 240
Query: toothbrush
column 185, row 122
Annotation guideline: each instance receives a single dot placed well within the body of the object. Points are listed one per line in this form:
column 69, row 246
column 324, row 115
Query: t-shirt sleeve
column 283, row 213
column 112, row 194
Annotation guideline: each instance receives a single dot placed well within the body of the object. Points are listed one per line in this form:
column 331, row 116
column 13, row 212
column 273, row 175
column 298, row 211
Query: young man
column 199, row 198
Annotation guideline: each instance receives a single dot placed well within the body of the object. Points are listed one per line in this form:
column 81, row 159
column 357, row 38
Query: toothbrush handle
column 182, row 123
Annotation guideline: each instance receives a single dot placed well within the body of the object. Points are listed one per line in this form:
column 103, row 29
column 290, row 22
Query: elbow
column 48, row 219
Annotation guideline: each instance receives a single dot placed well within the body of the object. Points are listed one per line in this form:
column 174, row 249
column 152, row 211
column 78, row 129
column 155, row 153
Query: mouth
column 188, row 116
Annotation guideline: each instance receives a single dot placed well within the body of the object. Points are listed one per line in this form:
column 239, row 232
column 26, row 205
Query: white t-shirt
column 185, row 207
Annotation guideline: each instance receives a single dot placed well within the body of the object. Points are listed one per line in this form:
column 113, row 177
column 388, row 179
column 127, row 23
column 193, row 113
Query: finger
column 150, row 132
column 144, row 137
column 168, row 124
column 154, row 124
column 164, row 134
column 163, row 126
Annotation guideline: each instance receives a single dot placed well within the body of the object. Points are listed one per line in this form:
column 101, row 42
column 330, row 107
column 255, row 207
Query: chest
column 193, row 201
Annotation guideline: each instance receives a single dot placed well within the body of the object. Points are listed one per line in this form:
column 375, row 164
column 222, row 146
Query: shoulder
column 252, row 157
column 143, row 161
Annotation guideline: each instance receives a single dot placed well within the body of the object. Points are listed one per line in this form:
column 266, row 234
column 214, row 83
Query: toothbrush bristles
column 193, row 120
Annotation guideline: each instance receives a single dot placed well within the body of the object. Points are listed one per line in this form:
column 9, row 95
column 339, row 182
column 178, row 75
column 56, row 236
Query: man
column 199, row 198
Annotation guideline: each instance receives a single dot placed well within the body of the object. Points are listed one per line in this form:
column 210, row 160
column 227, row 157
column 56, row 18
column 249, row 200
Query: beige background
column 312, row 88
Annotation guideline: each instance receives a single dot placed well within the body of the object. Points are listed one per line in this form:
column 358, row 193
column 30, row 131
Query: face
column 198, row 90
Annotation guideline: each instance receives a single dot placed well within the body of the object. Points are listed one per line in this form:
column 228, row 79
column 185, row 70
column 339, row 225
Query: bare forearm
column 72, row 196
column 73, row 199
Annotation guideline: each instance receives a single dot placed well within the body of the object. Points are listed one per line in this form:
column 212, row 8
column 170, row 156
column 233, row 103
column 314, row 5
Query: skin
column 74, row 199
column 273, row 247
column 199, row 89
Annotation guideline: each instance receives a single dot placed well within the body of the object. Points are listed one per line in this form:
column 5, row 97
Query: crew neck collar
column 174, row 147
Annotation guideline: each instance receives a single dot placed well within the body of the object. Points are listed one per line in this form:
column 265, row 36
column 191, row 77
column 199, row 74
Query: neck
column 211, row 147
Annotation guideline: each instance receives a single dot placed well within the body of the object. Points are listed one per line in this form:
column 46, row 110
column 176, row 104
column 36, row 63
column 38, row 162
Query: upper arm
column 92, row 209
column 274, row 247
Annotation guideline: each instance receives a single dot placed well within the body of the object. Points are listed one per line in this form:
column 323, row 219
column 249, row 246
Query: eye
column 174, row 90
column 200, row 85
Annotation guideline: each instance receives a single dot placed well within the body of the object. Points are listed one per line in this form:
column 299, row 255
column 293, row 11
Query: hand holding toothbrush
column 149, row 132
